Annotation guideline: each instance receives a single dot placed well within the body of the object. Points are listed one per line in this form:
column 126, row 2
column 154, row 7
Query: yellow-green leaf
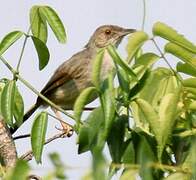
column 7, row 102
column 55, row 22
column 96, row 72
column 136, row 40
column 83, row 99
column 183, row 54
column 190, row 82
column 18, row 107
column 9, row 39
column 38, row 24
column 166, row 32
column 186, row 68
column 38, row 133
column 117, row 59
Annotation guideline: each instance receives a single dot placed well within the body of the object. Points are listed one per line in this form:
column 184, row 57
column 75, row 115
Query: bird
column 74, row 75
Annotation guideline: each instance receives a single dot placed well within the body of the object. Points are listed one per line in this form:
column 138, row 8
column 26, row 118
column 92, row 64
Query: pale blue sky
column 81, row 18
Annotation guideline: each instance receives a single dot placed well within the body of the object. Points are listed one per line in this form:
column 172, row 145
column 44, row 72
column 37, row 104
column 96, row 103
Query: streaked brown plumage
column 74, row 75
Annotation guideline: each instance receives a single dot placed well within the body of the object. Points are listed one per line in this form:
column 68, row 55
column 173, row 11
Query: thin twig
column 29, row 155
column 165, row 59
column 21, row 136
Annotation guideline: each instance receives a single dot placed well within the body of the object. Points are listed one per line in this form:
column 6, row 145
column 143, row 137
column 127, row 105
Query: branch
column 21, row 136
column 29, row 155
column 7, row 147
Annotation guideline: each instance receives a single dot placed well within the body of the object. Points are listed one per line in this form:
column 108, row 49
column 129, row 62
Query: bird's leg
column 67, row 128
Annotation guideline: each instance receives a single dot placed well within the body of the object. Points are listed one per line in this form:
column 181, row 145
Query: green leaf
column 18, row 107
column 147, row 59
column 42, row 52
column 186, row 68
column 99, row 165
column 90, row 130
column 83, row 99
column 124, row 81
column 142, row 65
column 163, row 122
column 9, row 39
column 167, row 118
column 190, row 160
column 55, row 22
column 96, row 72
column 7, row 102
column 145, row 156
column 116, row 137
column 108, row 103
column 136, row 40
column 3, row 82
column 166, row 32
column 183, row 54
column 149, row 113
column 117, row 59
column 38, row 24
column 190, row 82
column 38, row 134
column 20, row 171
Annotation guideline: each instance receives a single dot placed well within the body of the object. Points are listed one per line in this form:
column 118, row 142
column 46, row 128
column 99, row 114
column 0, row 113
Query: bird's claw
column 68, row 130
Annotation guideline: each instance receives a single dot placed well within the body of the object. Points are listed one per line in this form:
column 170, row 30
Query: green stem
column 23, row 48
column 144, row 15
column 34, row 90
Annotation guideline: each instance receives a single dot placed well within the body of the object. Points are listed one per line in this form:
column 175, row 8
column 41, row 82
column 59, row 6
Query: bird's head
column 108, row 34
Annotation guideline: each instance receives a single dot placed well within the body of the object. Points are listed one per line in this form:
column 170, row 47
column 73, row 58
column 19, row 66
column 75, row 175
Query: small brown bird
column 74, row 75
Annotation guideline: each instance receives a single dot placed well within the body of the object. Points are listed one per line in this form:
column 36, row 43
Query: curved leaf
column 96, row 72
column 38, row 24
column 190, row 82
column 38, row 133
column 147, row 59
column 9, row 39
column 166, row 32
column 167, row 118
column 149, row 113
column 108, row 103
column 136, row 40
column 55, row 22
column 18, row 107
column 7, row 102
column 186, row 68
column 117, row 59
column 88, row 133
column 3, row 82
column 181, row 53
column 42, row 52
column 81, row 101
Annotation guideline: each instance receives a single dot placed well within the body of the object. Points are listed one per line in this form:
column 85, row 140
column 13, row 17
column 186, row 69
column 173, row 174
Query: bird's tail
column 30, row 111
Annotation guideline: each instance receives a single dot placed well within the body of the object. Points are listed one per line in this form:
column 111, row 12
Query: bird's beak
column 128, row 31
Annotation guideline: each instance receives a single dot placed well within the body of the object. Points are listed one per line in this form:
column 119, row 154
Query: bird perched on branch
column 74, row 75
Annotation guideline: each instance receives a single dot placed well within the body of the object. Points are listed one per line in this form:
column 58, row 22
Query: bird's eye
column 108, row 31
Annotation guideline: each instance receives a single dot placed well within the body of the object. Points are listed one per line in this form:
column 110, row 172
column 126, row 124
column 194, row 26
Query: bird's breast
column 107, row 66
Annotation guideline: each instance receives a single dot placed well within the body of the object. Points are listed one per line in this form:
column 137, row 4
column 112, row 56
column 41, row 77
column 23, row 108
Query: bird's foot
column 68, row 129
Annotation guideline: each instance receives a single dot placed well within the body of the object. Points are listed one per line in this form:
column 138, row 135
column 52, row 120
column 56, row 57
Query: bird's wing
column 67, row 71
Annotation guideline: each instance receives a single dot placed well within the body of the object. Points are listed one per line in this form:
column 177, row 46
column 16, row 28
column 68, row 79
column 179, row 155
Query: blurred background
column 80, row 18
